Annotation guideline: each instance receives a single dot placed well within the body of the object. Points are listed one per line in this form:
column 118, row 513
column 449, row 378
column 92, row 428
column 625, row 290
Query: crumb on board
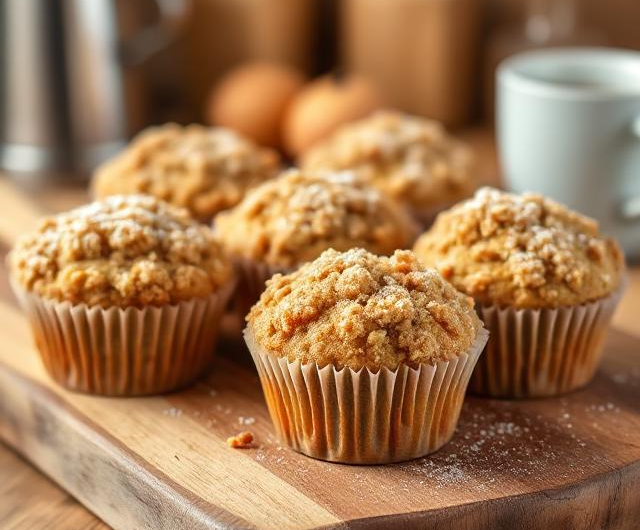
column 241, row 440
column 172, row 412
column 246, row 420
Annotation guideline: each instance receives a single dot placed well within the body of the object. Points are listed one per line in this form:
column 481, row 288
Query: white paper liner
column 364, row 417
column 542, row 352
column 125, row 352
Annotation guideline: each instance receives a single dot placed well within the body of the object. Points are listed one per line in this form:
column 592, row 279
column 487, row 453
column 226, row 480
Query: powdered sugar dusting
column 522, row 250
column 132, row 250
column 291, row 219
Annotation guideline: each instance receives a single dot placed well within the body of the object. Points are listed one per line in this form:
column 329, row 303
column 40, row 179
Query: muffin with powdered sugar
column 118, row 292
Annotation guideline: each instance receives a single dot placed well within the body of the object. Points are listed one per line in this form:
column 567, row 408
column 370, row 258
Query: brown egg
column 252, row 100
column 325, row 104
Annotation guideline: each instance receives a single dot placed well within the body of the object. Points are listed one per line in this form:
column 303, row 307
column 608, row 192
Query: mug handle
column 630, row 207
column 158, row 36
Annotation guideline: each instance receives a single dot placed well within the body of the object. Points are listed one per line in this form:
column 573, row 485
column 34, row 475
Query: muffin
column 410, row 159
column 545, row 281
column 364, row 359
column 291, row 220
column 124, row 295
column 205, row 170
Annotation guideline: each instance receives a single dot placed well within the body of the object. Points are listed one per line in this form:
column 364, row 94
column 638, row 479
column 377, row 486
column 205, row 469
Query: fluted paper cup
column 364, row 417
column 125, row 352
column 542, row 352
column 425, row 216
column 252, row 276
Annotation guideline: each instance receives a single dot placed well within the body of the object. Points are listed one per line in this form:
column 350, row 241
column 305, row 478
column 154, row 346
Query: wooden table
column 31, row 501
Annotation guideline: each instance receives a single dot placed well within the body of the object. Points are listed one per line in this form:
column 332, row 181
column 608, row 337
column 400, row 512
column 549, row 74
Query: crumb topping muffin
column 359, row 310
column 411, row 159
column 125, row 251
column 292, row 219
column 524, row 251
column 203, row 169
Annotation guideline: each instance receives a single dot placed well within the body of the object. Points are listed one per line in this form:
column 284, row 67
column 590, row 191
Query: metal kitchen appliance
column 70, row 83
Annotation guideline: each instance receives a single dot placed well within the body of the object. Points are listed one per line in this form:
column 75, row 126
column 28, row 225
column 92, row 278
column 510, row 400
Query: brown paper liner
column 364, row 417
column 542, row 352
column 426, row 216
column 125, row 352
column 252, row 276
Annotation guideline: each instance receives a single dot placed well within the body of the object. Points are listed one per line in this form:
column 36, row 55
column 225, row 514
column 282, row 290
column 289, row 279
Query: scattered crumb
column 604, row 407
column 172, row 412
column 620, row 378
column 242, row 440
column 223, row 410
column 630, row 377
column 242, row 420
column 494, row 444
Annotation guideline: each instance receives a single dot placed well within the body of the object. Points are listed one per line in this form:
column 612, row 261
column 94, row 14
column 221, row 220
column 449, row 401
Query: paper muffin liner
column 364, row 417
column 252, row 276
column 426, row 215
column 542, row 352
column 125, row 352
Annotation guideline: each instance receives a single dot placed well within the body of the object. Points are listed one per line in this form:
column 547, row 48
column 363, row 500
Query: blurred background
column 80, row 77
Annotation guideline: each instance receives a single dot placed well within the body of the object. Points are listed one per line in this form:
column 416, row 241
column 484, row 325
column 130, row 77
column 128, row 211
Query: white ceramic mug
column 569, row 127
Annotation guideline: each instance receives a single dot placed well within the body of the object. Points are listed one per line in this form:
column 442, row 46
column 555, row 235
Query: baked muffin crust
column 203, row 169
column 409, row 158
column 131, row 250
column 292, row 219
column 524, row 251
column 356, row 309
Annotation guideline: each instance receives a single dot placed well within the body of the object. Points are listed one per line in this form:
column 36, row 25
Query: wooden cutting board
column 163, row 462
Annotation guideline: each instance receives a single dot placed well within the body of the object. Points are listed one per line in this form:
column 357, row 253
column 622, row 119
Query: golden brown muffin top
column 523, row 251
column 131, row 250
column 292, row 219
column 412, row 159
column 356, row 309
column 203, row 169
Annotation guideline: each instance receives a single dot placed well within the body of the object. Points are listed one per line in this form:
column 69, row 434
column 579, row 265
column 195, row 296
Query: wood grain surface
column 162, row 462
column 31, row 501
column 572, row 462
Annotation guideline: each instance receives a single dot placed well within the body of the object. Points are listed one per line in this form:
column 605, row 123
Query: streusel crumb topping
column 521, row 250
column 411, row 159
column 292, row 219
column 356, row 309
column 241, row 440
column 203, row 169
column 131, row 250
